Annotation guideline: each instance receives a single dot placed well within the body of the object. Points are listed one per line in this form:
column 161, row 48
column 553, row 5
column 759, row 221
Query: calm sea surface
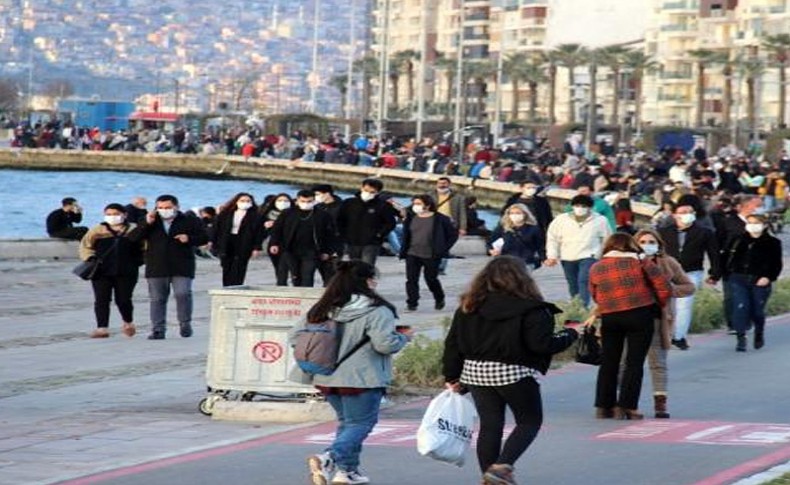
column 28, row 196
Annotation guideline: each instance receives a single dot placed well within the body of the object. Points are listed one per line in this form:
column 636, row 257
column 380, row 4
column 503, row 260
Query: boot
column 628, row 414
column 741, row 346
column 660, row 405
column 604, row 413
column 759, row 339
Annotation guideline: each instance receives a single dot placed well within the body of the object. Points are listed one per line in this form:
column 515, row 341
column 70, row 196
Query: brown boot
column 499, row 474
column 604, row 413
column 629, row 414
column 128, row 329
column 100, row 333
column 660, row 405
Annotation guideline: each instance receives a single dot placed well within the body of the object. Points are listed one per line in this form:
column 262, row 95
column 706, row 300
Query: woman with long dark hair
column 355, row 388
column 238, row 236
column 500, row 341
column 270, row 211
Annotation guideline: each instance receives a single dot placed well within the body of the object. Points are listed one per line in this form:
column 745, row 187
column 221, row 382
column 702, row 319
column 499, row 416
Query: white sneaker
column 349, row 478
column 322, row 467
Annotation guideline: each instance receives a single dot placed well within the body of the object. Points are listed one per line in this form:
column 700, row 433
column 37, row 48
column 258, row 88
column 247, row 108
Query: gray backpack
column 316, row 348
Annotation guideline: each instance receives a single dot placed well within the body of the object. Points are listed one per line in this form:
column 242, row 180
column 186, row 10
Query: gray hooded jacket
column 371, row 365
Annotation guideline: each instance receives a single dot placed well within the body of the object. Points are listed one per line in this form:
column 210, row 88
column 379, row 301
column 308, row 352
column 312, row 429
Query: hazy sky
column 597, row 22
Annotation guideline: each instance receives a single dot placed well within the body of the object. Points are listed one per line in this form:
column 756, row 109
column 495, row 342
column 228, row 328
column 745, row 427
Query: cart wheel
column 206, row 405
column 248, row 396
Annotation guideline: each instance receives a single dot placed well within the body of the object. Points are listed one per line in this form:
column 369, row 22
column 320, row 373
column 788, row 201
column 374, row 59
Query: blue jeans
column 577, row 274
column 684, row 307
column 395, row 238
column 748, row 303
column 159, row 292
column 356, row 416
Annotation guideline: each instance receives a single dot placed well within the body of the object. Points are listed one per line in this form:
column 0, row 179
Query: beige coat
column 682, row 286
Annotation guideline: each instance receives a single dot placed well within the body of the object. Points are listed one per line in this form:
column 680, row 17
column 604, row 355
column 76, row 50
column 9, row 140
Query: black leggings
column 523, row 399
column 103, row 289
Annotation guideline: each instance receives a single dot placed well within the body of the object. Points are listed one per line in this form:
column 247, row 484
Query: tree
column 534, row 75
column 570, row 56
column 550, row 58
column 449, row 66
column 340, row 82
column 403, row 62
column 612, row 58
column 9, row 96
column 752, row 69
column 480, row 72
column 639, row 63
column 59, row 88
column 702, row 57
column 779, row 47
column 513, row 67
column 368, row 66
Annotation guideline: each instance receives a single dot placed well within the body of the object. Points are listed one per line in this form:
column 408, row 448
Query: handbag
column 87, row 269
column 589, row 349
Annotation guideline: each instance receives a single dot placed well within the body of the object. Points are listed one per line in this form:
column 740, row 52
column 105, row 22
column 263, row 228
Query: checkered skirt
column 495, row 374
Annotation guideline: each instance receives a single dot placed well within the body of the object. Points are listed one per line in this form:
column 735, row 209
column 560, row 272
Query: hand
column 453, row 386
column 408, row 333
column 462, row 232
column 550, row 262
column 268, row 224
column 150, row 217
column 577, row 327
column 711, row 281
column 182, row 238
column 323, row 257
column 256, row 254
column 275, row 250
column 762, row 282
column 495, row 252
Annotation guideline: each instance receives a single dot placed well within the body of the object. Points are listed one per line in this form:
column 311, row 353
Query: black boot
column 741, row 347
column 759, row 339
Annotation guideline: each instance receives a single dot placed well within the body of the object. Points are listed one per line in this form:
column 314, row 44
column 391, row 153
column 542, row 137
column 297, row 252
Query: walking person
column 171, row 237
column 754, row 262
column 270, row 211
column 116, row 276
column 575, row 240
column 356, row 387
column 519, row 235
column 302, row 236
column 532, row 197
column 689, row 243
column 364, row 222
column 428, row 237
column 453, row 205
column 327, row 201
column 653, row 248
column 238, row 236
column 630, row 294
column 500, row 341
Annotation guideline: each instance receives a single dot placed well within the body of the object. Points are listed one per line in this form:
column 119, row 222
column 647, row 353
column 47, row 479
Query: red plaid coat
column 620, row 282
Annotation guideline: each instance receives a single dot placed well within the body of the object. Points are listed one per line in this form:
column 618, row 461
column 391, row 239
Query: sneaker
column 759, row 340
column 499, row 474
column 156, row 336
column 100, row 333
column 680, row 343
column 322, row 467
column 343, row 477
column 741, row 345
column 186, row 330
column 128, row 329
column 411, row 308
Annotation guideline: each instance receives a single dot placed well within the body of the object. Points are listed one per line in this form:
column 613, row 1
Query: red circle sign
column 267, row 352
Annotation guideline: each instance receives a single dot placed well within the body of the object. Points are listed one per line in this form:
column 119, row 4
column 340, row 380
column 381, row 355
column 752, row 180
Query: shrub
column 708, row 312
column 419, row 365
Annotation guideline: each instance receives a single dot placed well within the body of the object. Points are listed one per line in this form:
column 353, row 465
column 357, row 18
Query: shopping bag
column 447, row 428
column 589, row 350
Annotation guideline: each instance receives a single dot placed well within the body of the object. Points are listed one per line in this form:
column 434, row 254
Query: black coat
column 363, row 223
column 59, row 219
column 165, row 256
column 249, row 238
column 122, row 260
column 699, row 241
column 756, row 257
column 444, row 235
column 505, row 329
column 286, row 225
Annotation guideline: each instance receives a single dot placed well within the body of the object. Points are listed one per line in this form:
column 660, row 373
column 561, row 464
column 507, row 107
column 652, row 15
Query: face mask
column 529, row 192
column 320, row 198
column 443, row 190
column 668, row 188
column 282, row 205
column 755, row 228
column 166, row 213
column 243, row 205
column 516, row 218
column 687, row 219
column 367, row 196
column 418, row 209
column 580, row 211
column 113, row 220
column 650, row 249
column 306, row 206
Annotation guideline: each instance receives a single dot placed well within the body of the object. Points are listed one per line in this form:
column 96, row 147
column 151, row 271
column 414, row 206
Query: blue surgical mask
column 649, row 249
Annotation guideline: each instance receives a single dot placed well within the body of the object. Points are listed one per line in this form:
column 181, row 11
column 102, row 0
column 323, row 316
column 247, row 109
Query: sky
column 597, row 23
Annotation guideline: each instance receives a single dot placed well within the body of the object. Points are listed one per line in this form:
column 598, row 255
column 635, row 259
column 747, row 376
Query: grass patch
column 783, row 480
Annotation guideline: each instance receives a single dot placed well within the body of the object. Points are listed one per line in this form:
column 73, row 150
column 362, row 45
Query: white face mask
column 529, row 192
column 516, row 218
column 418, row 209
column 282, row 205
column 755, row 228
column 114, row 220
column 443, row 190
column 166, row 213
column 687, row 219
column 367, row 196
column 320, row 198
column 651, row 249
column 243, row 205
column 581, row 211
column 306, row 206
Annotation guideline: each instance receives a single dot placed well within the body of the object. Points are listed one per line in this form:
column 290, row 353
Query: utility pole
column 30, row 82
column 350, row 77
column 459, row 74
column 314, row 73
column 383, row 78
column 498, row 102
column 175, row 102
column 591, row 108
column 421, row 74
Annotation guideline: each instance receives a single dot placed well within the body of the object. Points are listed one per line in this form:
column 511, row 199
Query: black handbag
column 87, row 269
column 589, row 349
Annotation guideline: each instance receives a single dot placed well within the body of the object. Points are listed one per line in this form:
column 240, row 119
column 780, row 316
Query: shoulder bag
column 87, row 269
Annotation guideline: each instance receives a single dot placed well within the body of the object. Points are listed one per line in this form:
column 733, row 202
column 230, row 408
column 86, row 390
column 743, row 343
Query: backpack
column 316, row 347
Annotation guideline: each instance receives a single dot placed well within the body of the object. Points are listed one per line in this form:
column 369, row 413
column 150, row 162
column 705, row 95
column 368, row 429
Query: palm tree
column 726, row 99
column 479, row 72
column 340, row 82
column 751, row 69
column 534, row 75
column 702, row 57
column 550, row 58
column 448, row 65
column 639, row 63
column 513, row 67
column 779, row 47
column 369, row 67
column 570, row 56
column 403, row 61
column 612, row 58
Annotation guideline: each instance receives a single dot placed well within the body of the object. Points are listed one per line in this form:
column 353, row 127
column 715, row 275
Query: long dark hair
column 230, row 205
column 350, row 279
column 503, row 274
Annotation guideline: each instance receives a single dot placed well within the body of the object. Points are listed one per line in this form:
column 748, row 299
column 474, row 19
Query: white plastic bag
column 447, row 428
